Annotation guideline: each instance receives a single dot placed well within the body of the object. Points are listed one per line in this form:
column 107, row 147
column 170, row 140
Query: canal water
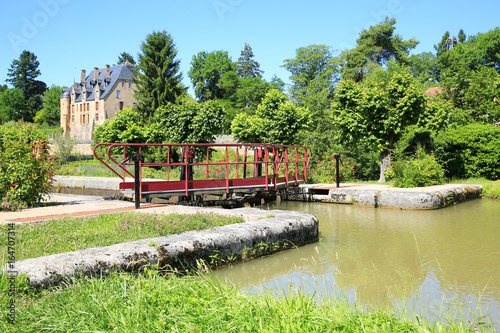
column 437, row 264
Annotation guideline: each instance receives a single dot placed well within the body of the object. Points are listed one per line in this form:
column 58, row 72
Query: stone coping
column 265, row 232
column 373, row 195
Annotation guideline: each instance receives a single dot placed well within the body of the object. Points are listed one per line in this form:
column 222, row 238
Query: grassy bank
column 71, row 234
column 154, row 303
column 491, row 189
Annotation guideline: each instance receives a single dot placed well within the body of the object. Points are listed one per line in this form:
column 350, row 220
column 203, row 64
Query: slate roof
column 118, row 72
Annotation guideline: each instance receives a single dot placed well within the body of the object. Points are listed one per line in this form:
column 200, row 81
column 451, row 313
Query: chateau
column 98, row 96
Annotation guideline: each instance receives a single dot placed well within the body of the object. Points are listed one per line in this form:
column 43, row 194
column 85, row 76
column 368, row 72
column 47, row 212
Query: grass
column 165, row 302
column 71, row 234
column 491, row 189
column 150, row 302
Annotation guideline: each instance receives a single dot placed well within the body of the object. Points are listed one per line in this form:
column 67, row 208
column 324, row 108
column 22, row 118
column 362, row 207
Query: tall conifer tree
column 247, row 67
column 22, row 75
column 158, row 75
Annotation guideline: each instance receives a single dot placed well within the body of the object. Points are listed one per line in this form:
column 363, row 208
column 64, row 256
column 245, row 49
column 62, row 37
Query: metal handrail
column 275, row 155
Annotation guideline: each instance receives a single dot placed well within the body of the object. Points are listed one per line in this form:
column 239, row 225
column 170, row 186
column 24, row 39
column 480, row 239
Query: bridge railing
column 242, row 166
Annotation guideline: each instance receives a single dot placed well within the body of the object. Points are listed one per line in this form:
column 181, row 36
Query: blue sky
column 69, row 35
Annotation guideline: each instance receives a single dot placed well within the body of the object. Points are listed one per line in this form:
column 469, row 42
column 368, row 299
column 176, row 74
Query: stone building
column 98, row 96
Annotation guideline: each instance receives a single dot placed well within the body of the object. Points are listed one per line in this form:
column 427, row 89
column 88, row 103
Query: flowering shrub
column 323, row 171
column 26, row 168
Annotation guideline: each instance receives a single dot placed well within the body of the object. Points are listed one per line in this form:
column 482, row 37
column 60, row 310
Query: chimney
column 83, row 75
column 107, row 71
column 96, row 73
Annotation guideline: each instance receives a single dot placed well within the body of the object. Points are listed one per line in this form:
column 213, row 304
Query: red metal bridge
column 191, row 169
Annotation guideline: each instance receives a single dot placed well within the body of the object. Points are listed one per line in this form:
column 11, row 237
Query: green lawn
column 71, row 234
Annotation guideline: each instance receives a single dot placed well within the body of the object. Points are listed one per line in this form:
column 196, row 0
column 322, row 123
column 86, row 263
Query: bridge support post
column 337, row 169
column 137, row 158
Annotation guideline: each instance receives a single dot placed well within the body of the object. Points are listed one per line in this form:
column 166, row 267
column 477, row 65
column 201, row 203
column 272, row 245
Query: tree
column 244, row 94
column 190, row 122
column 424, row 66
column 313, row 70
column 50, row 114
column 124, row 56
column 480, row 50
column 246, row 66
column 474, row 91
column 12, row 105
column 158, row 76
column 377, row 45
column 126, row 127
column 440, row 47
column 206, row 71
column 22, row 75
column 377, row 112
column 461, row 36
column 276, row 120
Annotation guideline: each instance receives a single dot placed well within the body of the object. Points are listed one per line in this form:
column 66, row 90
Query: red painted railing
column 280, row 166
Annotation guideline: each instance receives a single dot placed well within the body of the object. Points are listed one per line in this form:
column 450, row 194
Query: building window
column 118, row 94
column 123, row 84
column 72, row 108
column 97, row 106
column 84, row 108
column 80, row 108
column 84, row 119
column 97, row 117
column 130, row 85
column 121, row 106
column 88, row 106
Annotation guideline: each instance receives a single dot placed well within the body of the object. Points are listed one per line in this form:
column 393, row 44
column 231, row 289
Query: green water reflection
column 390, row 257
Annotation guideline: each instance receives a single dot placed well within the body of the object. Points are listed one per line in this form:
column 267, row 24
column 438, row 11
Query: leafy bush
column 26, row 168
column 419, row 170
column 470, row 151
column 323, row 171
column 64, row 145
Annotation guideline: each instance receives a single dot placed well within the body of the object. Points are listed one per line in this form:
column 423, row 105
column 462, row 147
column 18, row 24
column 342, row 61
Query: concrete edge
column 425, row 198
column 271, row 232
column 431, row 197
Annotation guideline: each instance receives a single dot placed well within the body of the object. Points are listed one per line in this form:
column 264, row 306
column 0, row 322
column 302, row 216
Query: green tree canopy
column 480, row 50
column 376, row 112
column 158, row 75
column 474, row 91
column 189, row 122
column 22, row 75
column 12, row 105
column 246, row 66
column 276, row 120
column 313, row 70
column 124, row 56
column 50, row 113
column 206, row 71
column 424, row 66
column 377, row 45
column 125, row 127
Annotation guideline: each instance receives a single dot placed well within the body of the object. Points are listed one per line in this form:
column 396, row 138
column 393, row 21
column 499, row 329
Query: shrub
column 26, row 169
column 323, row 171
column 419, row 170
column 470, row 151
column 64, row 145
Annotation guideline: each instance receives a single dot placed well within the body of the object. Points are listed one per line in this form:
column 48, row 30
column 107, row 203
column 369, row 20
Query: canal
column 436, row 264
